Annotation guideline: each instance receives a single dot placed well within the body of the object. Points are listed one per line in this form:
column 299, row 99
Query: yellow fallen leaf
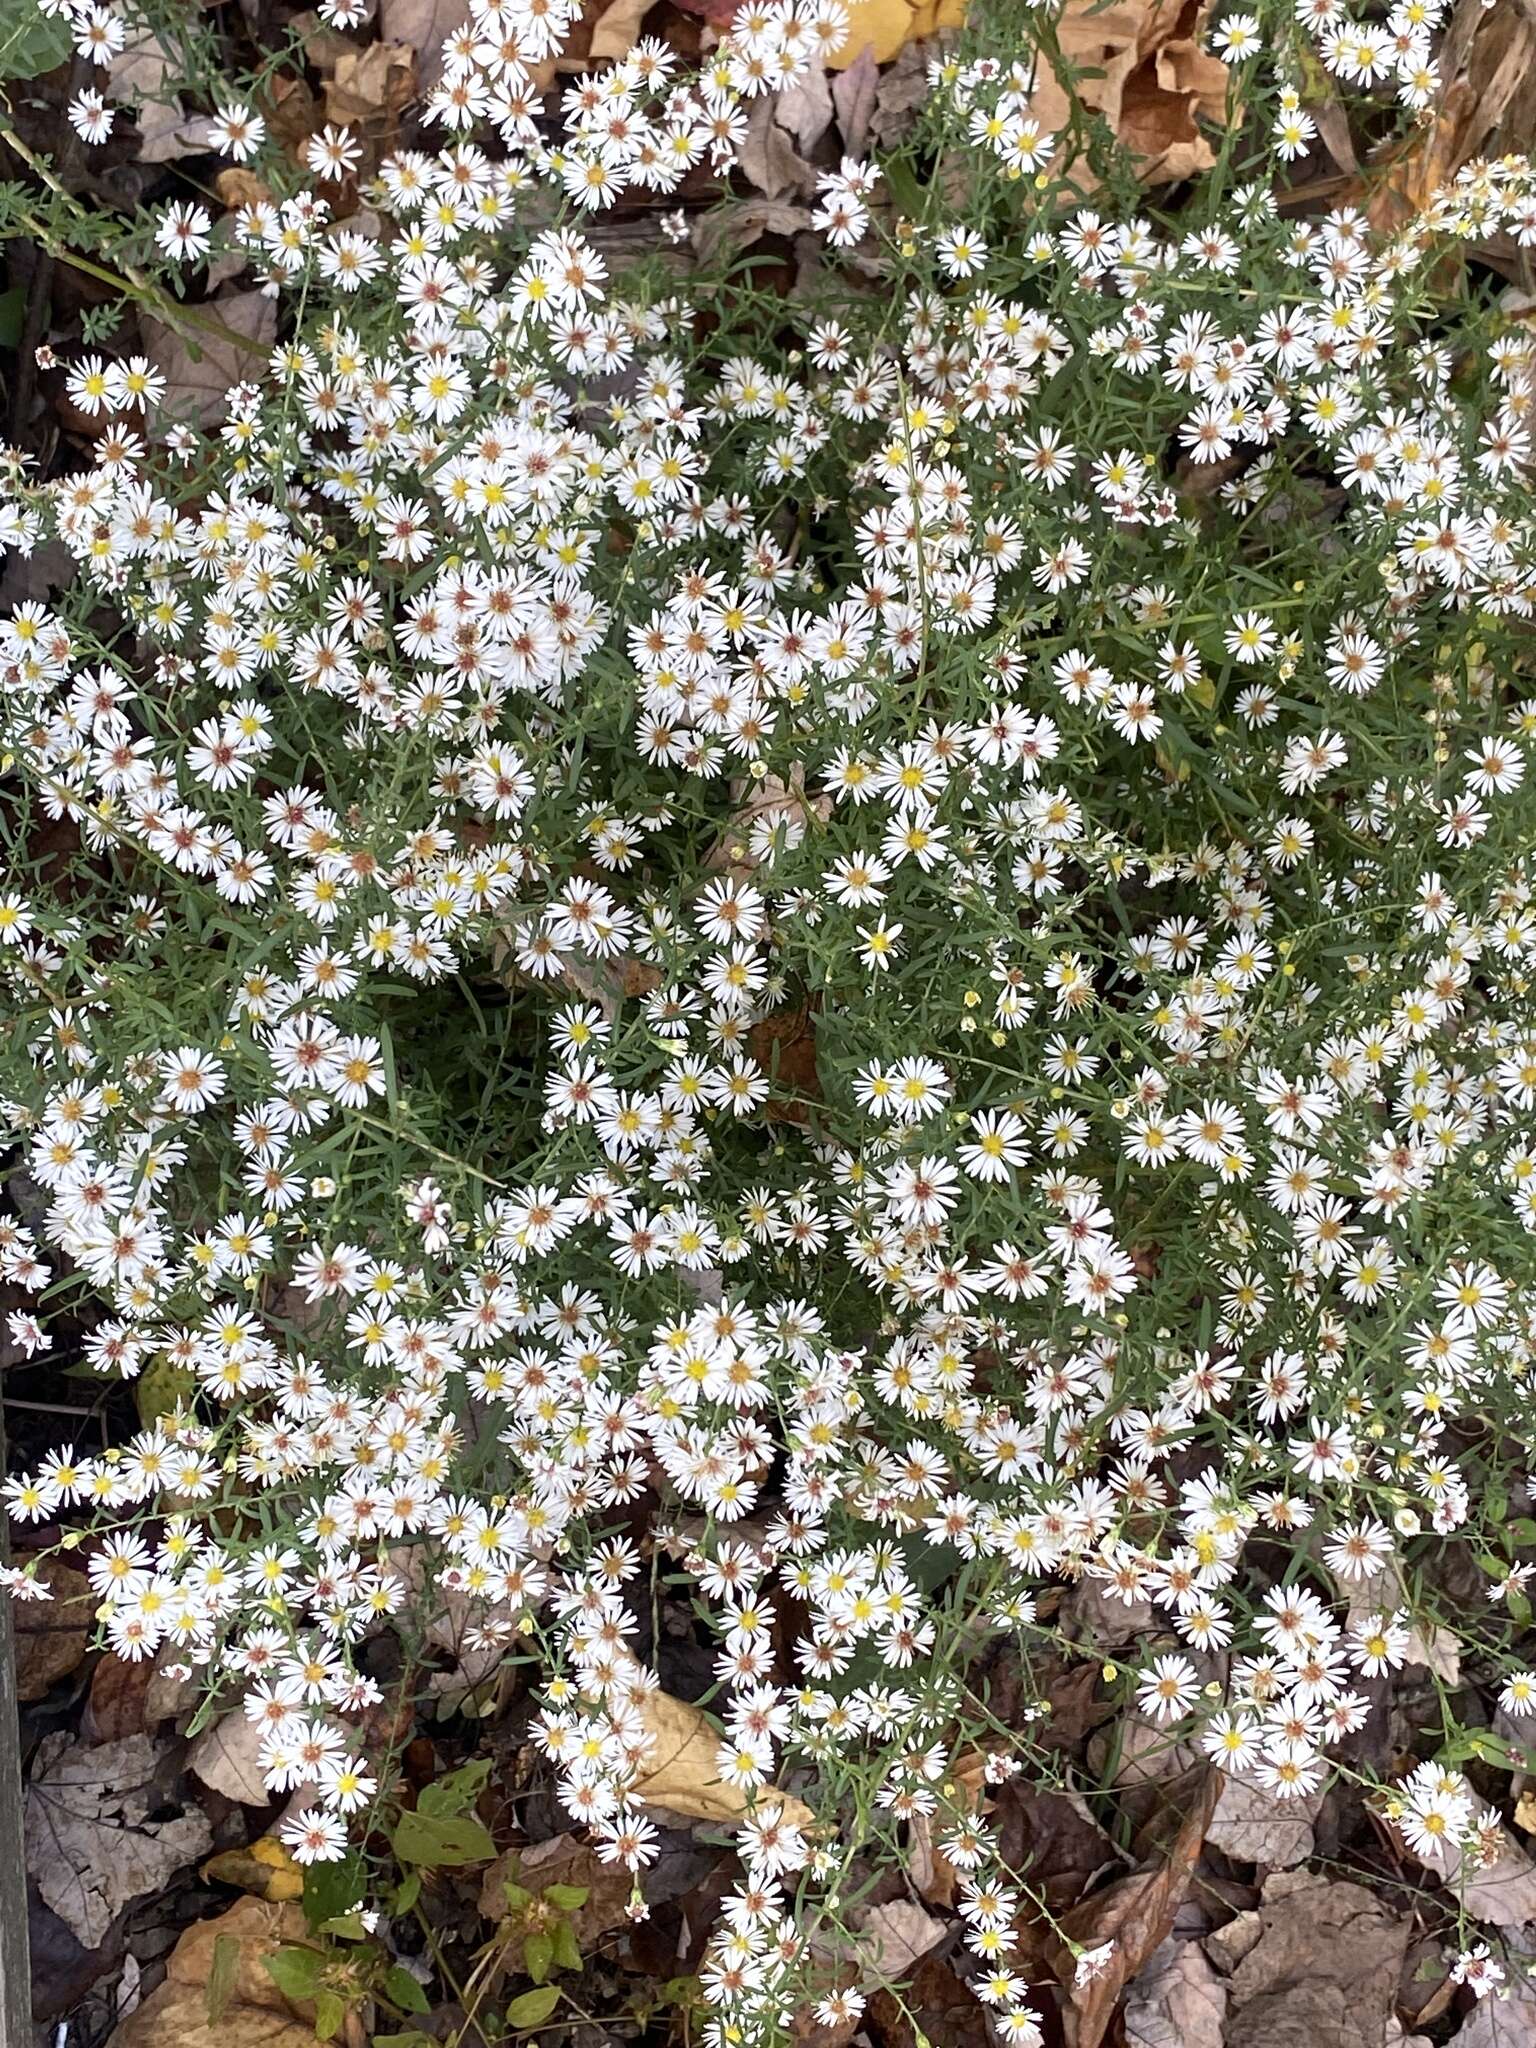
column 1525, row 1811
column 683, row 1773
column 265, row 1869
column 879, row 25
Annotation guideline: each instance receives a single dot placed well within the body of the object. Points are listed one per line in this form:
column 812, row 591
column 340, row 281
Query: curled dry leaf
column 1145, row 70
column 264, row 1868
column 683, row 1771
column 219, row 1964
column 369, row 90
column 91, row 1846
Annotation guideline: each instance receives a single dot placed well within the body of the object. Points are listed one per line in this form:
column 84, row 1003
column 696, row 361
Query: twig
column 130, row 280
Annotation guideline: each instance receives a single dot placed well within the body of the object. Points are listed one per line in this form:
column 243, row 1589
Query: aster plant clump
column 883, row 936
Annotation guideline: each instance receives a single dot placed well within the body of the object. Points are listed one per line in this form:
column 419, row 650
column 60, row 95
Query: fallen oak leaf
column 1143, row 69
column 682, row 1771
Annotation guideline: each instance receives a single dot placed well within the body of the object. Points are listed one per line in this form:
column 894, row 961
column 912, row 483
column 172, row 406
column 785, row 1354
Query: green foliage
column 32, row 42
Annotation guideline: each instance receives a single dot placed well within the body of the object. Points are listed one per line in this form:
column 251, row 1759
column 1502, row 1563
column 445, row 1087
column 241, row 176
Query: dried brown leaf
column 369, row 90
column 254, row 2013
column 562, row 1859
column 90, row 1844
column 424, row 25
column 51, row 1635
column 895, row 1935
column 1147, row 74
column 1133, row 1918
column 903, row 90
column 683, row 1772
column 227, row 1756
column 854, row 93
column 738, row 227
column 617, row 29
column 1325, row 1968
column 199, row 385
column 1508, row 2022
column 768, row 157
column 1253, row 1826
column 1178, row 2001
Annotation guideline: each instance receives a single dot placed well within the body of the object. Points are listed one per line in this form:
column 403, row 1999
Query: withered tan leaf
column 227, row 1756
column 199, row 384
column 91, row 1846
column 1133, row 1918
column 254, row 2014
column 683, row 1770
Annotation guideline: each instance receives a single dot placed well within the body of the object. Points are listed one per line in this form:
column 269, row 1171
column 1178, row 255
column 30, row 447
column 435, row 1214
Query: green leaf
column 221, row 1975
column 570, row 1898
column 515, row 1896
column 538, row 1954
column 441, row 1838
column 34, row 44
column 346, row 1926
column 330, row 2013
column 331, row 1890
column 403, row 1990
column 567, row 1949
column 408, row 1891
column 534, row 2007
column 295, row 1971
column 456, row 1792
